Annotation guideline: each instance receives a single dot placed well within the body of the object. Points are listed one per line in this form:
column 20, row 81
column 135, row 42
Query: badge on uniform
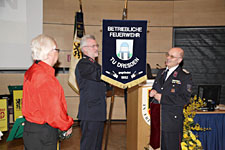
column 91, row 60
column 176, row 82
column 175, row 74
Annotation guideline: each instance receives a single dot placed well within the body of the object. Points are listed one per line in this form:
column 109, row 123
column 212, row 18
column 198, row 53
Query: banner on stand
column 124, row 52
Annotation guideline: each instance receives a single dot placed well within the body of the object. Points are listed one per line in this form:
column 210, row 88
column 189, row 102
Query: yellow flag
column 76, row 54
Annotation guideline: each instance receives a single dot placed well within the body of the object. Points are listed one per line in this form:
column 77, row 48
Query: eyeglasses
column 93, row 46
column 171, row 56
column 57, row 50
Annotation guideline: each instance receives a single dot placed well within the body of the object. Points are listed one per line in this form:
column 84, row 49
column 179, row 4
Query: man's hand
column 152, row 93
column 158, row 97
column 69, row 131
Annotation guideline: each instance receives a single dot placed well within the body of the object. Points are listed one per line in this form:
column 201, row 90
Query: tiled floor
column 116, row 139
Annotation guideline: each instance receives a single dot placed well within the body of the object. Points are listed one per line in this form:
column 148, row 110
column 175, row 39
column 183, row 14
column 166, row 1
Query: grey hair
column 84, row 39
column 41, row 46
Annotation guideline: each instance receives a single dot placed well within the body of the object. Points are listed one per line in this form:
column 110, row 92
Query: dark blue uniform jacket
column 92, row 105
column 176, row 92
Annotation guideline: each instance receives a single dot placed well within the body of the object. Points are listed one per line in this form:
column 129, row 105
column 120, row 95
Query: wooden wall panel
column 60, row 11
column 72, row 106
column 63, row 34
column 64, row 58
column 70, row 8
column 9, row 79
column 96, row 31
column 63, row 11
column 97, row 10
column 63, row 80
column 156, row 58
column 157, row 13
column 159, row 39
column 199, row 13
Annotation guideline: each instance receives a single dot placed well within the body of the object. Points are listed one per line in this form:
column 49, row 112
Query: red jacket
column 43, row 98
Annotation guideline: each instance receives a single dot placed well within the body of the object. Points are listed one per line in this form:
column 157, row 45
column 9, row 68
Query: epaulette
column 184, row 70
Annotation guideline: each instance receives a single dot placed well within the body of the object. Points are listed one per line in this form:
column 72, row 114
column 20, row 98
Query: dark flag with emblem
column 124, row 52
column 76, row 54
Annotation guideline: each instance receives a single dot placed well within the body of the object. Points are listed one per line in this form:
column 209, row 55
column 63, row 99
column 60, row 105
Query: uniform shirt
column 171, row 70
column 43, row 98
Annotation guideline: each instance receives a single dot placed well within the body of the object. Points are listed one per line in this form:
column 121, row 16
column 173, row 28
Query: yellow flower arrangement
column 198, row 143
column 190, row 141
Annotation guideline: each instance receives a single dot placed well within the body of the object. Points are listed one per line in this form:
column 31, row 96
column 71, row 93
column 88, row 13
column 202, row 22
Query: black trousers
column 92, row 134
column 39, row 137
column 171, row 140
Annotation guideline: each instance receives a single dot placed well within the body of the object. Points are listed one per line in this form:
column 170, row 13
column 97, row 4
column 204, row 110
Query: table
column 215, row 138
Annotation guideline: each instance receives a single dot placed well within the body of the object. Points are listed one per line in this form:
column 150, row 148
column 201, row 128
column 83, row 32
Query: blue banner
column 124, row 52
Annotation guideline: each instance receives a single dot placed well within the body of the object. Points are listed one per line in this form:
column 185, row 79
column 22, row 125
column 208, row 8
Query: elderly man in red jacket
column 44, row 105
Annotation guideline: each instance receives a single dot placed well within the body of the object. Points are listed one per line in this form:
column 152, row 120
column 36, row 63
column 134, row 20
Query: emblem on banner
column 124, row 49
column 76, row 50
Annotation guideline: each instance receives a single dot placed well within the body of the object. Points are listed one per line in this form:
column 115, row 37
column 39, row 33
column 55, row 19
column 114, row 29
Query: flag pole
column 81, row 10
column 80, row 6
column 124, row 17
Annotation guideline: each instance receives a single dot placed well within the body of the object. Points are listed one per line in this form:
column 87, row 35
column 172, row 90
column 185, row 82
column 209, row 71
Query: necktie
column 165, row 74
